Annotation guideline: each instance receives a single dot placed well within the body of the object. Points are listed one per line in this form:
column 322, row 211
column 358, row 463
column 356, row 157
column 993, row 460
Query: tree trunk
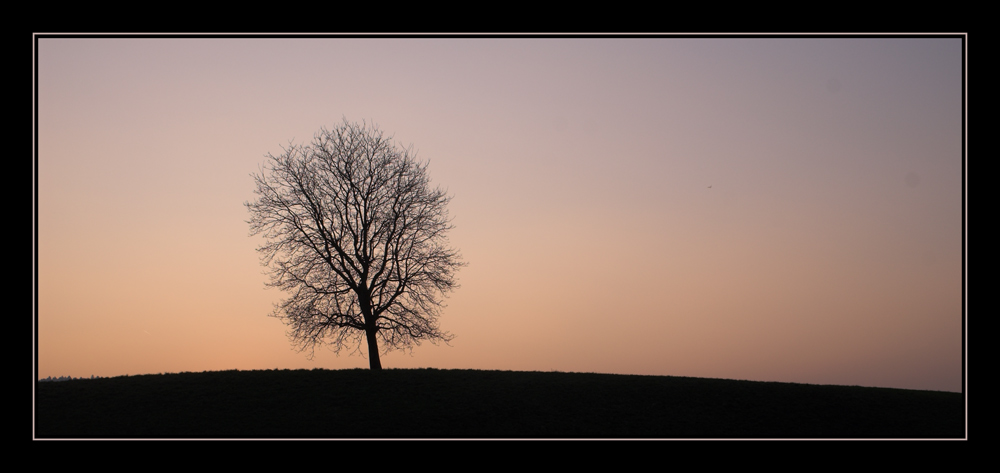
column 371, row 327
column 374, row 362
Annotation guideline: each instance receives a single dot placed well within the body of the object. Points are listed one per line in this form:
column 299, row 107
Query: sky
column 768, row 209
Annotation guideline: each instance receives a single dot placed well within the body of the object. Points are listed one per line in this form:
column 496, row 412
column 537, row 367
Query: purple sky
column 828, row 249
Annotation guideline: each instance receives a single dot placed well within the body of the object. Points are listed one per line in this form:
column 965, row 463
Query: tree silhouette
column 357, row 237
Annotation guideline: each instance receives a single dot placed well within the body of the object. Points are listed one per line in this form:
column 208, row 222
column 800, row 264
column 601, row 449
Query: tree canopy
column 357, row 237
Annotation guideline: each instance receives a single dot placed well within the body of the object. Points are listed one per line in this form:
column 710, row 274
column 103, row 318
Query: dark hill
column 429, row 403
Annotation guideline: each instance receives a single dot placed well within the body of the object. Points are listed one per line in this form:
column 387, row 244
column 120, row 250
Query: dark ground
column 430, row 403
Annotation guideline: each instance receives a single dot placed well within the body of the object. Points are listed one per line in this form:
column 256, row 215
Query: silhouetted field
column 429, row 403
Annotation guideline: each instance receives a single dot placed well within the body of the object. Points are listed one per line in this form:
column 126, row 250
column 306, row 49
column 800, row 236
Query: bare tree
column 357, row 237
